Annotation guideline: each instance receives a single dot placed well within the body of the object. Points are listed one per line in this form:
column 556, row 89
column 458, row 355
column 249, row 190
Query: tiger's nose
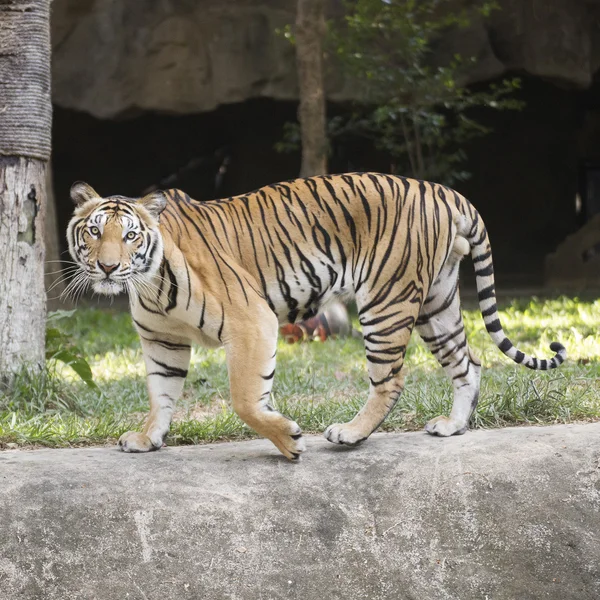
column 108, row 269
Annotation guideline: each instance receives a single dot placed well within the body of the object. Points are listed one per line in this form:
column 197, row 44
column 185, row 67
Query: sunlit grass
column 316, row 384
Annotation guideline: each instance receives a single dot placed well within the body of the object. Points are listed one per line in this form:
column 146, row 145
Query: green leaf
column 57, row 315
column 78, row 364
column 60, row 347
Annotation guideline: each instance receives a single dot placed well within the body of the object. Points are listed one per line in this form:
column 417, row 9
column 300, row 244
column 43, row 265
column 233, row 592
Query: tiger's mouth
column 109, row 287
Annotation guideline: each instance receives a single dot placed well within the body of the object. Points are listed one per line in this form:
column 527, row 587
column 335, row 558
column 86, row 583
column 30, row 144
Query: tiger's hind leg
column 440, row 325
column 387, row 325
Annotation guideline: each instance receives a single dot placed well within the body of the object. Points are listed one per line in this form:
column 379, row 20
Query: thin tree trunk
column 310, row 30
column 25, row 133
column 52, row 271
column 419, row 145
column 409, row 146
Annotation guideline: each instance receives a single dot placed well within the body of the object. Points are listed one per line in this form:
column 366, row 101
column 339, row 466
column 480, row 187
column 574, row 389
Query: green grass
column 316, row 384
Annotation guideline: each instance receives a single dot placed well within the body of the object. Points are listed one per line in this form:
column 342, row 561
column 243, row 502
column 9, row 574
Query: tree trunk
column 310, row 30
column 52, row 273
column 25, row 132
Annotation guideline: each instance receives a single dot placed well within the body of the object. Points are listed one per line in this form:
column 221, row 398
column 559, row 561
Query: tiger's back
column 307, row 240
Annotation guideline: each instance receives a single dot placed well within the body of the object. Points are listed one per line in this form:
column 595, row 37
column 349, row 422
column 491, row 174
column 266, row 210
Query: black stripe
column 482, row 257
column 189, row 282
column 392, row 374
column 441, row 339
column 381, row 361
column 463, row 374
column 486, row 293
column 167, row 345
column 169, row 370
column 454, row 350
column 147, row 308
column 142, row 327
column 485, row 272
column 505, row 345
column 173, row 289
column 161, row 272
column 222, row 323
column 148, row 262
column 494, row 326
column 489, row 311
column 201, row 324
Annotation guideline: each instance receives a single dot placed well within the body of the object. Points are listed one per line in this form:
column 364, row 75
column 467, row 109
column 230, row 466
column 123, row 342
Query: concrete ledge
column 512, row 513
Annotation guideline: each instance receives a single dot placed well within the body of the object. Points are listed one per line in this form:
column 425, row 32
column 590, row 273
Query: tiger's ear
column 82, row 192
column 154, row 202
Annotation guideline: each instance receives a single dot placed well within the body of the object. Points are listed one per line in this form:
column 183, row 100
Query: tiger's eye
column 131, row 235
column 94, row 230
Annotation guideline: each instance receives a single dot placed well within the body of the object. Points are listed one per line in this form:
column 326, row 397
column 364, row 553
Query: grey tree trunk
column 52, row 272
column 310, row 30
column 25, row 131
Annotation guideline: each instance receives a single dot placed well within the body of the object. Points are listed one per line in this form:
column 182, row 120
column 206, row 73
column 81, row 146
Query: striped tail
column 481, row 253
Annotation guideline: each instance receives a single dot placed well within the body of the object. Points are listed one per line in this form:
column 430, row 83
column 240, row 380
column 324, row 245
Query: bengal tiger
column 229, row 272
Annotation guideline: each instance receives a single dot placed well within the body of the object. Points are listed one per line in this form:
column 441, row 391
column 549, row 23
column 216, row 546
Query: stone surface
column 550, row 39
column 575, row 265
column 112, row 58
column 500, row 514
column 182, row 56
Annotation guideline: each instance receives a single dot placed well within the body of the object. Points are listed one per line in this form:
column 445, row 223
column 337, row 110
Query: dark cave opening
column 525, row 175
column 128, row 156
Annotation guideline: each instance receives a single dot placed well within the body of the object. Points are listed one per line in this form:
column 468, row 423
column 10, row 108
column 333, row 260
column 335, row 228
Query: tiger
column 229, row 272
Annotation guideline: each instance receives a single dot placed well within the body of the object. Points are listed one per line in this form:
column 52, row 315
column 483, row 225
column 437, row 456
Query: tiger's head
column 115, row 241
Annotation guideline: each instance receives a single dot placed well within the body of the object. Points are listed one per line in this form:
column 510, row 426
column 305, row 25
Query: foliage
column 34, row 390
column 416, row 111
column 59, row 346
column 316, row 384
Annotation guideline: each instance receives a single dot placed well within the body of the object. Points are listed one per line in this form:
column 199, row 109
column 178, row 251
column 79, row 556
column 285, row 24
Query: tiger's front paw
column 340, row 433
column 445, row 427
column 133, row 441
column 290, row 441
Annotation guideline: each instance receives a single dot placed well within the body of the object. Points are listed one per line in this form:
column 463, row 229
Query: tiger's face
column 115, row 241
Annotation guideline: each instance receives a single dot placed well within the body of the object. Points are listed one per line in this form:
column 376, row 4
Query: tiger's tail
column 473, row 229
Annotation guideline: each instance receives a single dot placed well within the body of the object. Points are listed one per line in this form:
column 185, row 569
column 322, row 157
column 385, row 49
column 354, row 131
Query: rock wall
column 112, row 58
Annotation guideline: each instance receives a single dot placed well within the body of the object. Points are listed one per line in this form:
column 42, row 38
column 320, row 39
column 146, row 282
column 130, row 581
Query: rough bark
column 22, row 297
column 25, row 132
column 310, row 30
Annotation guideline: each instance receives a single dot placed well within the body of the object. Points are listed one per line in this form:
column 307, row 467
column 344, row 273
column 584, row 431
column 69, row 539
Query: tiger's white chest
column 180, row 323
